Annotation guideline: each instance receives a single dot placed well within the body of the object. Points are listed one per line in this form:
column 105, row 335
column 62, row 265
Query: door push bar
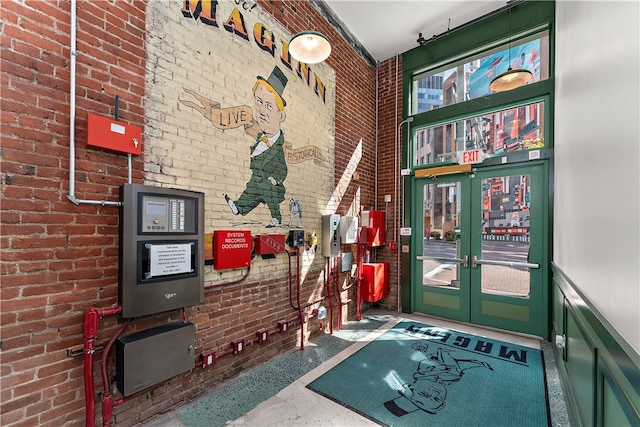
column 464, row 261
column 475, row 262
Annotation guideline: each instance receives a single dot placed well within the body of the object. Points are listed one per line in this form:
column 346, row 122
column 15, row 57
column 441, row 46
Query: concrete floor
column 275, row 394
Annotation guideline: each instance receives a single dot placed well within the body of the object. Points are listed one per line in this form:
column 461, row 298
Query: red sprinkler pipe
column 91, row 318
column 231, row 282
column 107, row 400
column 336, row 282
column 328, row 286
column 308, row 304
column 299, row 306
column 359, row 283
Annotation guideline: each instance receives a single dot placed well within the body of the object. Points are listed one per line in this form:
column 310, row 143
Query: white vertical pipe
column 72, row 106
column 395, row 163
column 375, row 197
column 72, row 120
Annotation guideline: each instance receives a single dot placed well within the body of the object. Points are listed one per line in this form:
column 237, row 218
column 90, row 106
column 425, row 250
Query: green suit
column 269, row 163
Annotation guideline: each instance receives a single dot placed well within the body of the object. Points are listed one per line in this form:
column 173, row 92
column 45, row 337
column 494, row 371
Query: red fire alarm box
column 113, row 135
column 269, row 244
column 375, row 281
column 231, row 249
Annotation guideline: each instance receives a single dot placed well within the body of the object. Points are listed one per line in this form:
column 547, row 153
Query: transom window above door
column 494, row 134
column 468, row 79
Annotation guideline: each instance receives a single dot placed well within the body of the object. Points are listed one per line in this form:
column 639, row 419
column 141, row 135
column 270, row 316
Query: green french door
column 480, row 244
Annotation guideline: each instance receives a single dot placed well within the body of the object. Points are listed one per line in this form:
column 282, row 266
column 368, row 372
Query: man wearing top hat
column 268, row 165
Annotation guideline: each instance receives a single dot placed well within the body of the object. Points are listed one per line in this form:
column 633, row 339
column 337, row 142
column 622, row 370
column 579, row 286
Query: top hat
column 277, row 80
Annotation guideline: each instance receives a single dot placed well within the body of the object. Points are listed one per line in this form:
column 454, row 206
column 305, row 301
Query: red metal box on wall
column 375, row 222
column 113, row 135
column 268, row 244
column 375, row 281
column 231, row 249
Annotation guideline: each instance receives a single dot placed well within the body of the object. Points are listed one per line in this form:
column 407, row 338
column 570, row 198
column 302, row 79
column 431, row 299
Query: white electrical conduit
column 398, row 176
column 375, row 186
column 72, row 122
column 395, row 172
column 395, row 194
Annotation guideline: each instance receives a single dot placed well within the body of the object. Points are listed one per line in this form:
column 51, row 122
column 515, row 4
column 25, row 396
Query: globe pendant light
column 511, row 78
column 310, row 47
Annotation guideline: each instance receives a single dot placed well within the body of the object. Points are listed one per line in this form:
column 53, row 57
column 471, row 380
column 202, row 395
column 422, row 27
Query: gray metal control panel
column 161, row 249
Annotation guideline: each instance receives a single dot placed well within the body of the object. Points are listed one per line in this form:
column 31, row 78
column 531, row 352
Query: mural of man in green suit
column 268, row 165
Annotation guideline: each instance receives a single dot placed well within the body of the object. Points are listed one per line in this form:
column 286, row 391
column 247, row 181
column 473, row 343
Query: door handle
column 475, row 262
column 464, row 260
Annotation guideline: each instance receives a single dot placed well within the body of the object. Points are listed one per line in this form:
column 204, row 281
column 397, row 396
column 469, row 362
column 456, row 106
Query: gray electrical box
column 148, row 357
column 161, row 249
column 349, row 229
column 331, row 235
column 346, row 262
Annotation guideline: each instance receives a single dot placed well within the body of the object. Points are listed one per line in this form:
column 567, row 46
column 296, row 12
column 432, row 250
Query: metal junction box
column 331, row 235
column 110, row 134
column 268, row 244
column 232, row 249
column 349, row 229
column 375, row 281
column 148, row 357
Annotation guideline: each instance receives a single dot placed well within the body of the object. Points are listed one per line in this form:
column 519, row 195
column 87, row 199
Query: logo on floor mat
column 442, row 367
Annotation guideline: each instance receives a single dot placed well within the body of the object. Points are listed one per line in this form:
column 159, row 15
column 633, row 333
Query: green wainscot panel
column 441, row 300
column 505, row 310
column 613, row 413
column 581, row 368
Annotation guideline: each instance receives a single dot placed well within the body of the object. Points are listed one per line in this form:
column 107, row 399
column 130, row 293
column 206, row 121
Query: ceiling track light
column 511, row 78
column 310, row 47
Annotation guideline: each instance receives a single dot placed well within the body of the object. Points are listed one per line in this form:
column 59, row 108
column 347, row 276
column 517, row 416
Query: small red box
column 376, row 228
column 268, row 244
column 113, row 135
column 231, row 249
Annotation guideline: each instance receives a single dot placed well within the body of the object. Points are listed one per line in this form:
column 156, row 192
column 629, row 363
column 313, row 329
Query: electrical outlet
column 208, row 359
column 262, row 335
column 237, row 346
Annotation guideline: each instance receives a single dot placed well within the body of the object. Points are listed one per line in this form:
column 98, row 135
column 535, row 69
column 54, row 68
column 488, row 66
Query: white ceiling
column 386, row 28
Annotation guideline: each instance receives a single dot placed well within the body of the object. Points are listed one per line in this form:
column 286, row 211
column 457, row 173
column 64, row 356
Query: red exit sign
column 470, row 157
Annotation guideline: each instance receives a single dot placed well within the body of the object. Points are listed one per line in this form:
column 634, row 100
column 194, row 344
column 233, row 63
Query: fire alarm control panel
column 161, row 249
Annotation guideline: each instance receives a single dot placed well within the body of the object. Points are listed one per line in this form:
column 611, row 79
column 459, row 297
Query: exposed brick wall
column 59, row 259
column 389, row 118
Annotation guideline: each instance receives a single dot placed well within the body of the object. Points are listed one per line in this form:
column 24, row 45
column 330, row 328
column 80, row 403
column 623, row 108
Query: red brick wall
column 389, row 118
column 59, row 259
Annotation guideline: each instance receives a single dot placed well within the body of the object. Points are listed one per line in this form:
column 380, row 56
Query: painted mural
column 232, row 114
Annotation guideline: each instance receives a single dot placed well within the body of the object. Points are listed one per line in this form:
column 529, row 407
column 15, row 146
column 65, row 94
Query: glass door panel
column 505, row 235
column 441, row 249
column 442, row 263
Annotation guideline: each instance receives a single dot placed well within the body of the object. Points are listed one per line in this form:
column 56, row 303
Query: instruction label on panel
column 170, row 259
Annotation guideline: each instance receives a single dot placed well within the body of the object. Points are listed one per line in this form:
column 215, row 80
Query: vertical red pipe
column 299, row 305
column 336, row 282
column 91, row 318
column 359, row 282
column 90, row 332
column 328, row 287
column 107, row 400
